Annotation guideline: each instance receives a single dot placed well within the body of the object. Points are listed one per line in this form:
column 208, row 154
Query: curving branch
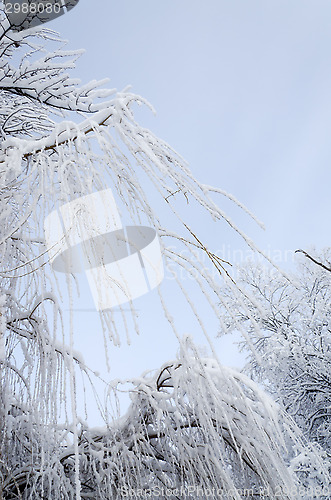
column 314, row 260
column 63, row 133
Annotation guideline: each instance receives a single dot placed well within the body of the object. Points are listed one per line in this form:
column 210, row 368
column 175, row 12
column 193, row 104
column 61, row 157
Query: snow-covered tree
column 192, row 427
column 287, row 329
column 194, row 424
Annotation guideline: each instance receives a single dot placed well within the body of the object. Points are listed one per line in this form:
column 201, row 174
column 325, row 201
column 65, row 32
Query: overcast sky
column 242, row 92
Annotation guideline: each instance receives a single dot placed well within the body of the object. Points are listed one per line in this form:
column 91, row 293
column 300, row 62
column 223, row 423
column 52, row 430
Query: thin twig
column 175, row 192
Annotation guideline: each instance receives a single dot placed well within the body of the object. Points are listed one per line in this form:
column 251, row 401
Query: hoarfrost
column 194, row 423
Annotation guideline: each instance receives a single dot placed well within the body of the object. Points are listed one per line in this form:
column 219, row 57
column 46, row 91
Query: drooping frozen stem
column 195, row 423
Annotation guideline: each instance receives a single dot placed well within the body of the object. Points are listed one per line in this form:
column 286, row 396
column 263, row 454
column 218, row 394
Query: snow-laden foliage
column 195, row 423
column 193, row 426
column 288, row 336
column 100, row 146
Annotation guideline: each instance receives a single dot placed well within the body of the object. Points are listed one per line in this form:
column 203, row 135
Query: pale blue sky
column 242, row 91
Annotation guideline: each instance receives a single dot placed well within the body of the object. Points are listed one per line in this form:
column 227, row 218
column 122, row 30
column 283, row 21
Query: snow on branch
column 314, row 260
column 192, row 425
column 195, row 423
column 46, row 79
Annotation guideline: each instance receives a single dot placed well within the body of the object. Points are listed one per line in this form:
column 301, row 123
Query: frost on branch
column 98, row 145
column 194, row 423
column 286, row 328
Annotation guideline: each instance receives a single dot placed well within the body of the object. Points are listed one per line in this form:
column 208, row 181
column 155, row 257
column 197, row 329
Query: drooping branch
column 314, row 260
column 65, row 132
